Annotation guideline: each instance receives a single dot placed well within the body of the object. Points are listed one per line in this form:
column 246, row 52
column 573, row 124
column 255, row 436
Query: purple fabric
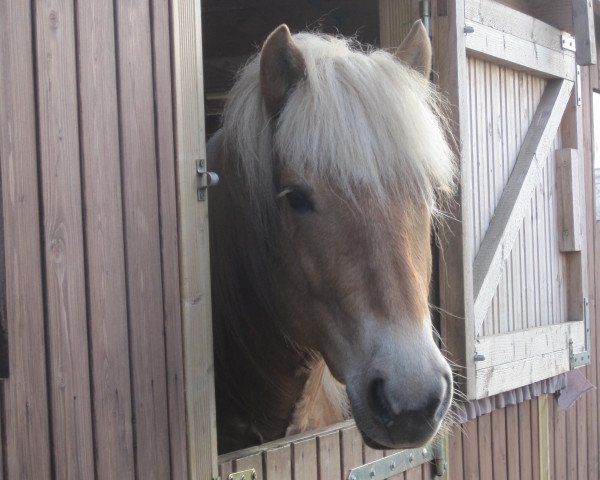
column 571, row 385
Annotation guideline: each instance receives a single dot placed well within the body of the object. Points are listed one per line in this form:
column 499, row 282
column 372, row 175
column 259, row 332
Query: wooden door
column 514, row 261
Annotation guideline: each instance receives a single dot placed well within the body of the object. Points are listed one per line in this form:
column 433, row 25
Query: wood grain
column 26, row 423
column 67, row 334
column 306, row 460
column 192, row 221
column 329, row 455
column 511, row 209
column 104, row 241
column 143, row 265
column 165, row 151
column 254, row 461
column 568, row 191
column 278, row 463
column 351, row 449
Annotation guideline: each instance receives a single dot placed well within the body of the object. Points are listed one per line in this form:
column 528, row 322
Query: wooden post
column 193, row 242
column 456, row 271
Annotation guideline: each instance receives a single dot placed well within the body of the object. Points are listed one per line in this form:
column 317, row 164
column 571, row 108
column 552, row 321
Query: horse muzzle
column 394, row 409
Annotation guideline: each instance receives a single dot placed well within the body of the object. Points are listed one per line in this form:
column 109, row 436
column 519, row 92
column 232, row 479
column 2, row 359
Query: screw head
column 392, row 465
column 372, row 473
column 424, row 452
column 411, row 457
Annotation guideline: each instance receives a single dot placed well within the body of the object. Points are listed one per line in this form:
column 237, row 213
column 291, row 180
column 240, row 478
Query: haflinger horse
column 332, row 156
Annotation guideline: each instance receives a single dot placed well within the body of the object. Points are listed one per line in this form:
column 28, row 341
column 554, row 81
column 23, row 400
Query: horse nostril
column 378, row 402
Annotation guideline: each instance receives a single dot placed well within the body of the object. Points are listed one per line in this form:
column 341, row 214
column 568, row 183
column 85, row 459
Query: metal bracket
column 207, row 179
column 243, row 475
column 582, row 358
column 567, row 41
column 578, row 85
column 400, row 462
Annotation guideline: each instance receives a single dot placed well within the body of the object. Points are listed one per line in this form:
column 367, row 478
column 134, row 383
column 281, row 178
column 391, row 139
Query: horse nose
column 413, row 425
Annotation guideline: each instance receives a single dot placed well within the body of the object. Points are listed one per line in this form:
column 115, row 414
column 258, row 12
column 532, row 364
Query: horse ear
column 281, row 67
column 415, row 49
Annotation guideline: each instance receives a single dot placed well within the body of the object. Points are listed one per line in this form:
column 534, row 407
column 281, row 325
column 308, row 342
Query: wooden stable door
column 516, row 242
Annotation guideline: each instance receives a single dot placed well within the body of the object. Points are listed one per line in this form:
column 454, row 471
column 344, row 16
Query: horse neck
column 259, row 376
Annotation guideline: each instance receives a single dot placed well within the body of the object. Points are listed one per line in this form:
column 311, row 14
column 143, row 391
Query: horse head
column 343, row 152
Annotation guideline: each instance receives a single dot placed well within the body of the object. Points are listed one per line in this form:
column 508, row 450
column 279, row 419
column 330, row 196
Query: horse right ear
column 282, row 66
column 415, row 49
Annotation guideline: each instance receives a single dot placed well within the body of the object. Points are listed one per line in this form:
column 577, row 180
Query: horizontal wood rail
column 520, row 41
column 536, row 353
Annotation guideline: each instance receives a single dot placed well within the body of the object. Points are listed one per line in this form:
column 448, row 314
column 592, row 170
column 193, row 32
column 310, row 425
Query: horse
column 332, row 157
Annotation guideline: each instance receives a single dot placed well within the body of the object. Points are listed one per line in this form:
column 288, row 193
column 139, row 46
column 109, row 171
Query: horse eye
column 300, row 201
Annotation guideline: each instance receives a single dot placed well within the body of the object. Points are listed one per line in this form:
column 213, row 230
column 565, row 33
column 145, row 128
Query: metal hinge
column 207, row 179
column 401, row 462
column 249, row 474
column 582, row 358
column 578, row 85
column 567, row 41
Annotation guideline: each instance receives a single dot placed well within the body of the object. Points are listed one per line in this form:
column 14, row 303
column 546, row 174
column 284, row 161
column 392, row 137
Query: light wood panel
column 143, row 268
column 194, row 269
column 570, row 234
column 511, row 208
column 167, row 196
column 104, row 241
column 26, row 416
column 67, row 335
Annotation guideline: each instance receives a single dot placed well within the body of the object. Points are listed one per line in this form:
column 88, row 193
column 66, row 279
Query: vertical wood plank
column 512, row 437
column 194, row 269
column 591, row 370
column 370, row 454
column 455, row 449
column 456, row 268
column 225, row 469
column 581, row 439
column 484, row 440
column 351, row 445
column 104, row 240
column 535, row 437
column 571, row 443
column 144, row 276
column 525, row 448
column 254, row 461
column 305, row 460
column 560, row 445
column 25, row 396
column 329, row 455
column 470, row 450
column 543, row 435
column 63, row 239
column 165, row 148
column 278, row 463
column 499, row 445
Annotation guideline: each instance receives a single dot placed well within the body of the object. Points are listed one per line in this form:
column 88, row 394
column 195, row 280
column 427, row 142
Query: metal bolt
column 411, row 457
column 392, row 465
column 469, row 29
column 424, row 452
column 372, row 473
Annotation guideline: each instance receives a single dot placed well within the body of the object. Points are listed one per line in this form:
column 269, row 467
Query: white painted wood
column 193, row 242
column 570, row 232
column 519, row 53
column 505, row 19
column 517, row 346
column 542, row 362
column 516, row 197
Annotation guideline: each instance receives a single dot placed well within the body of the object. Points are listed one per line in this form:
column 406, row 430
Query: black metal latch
column 207, row 179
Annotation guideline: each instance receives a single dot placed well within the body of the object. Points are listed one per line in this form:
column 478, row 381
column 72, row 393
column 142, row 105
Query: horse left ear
column 282, row 66
column 415, row 49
